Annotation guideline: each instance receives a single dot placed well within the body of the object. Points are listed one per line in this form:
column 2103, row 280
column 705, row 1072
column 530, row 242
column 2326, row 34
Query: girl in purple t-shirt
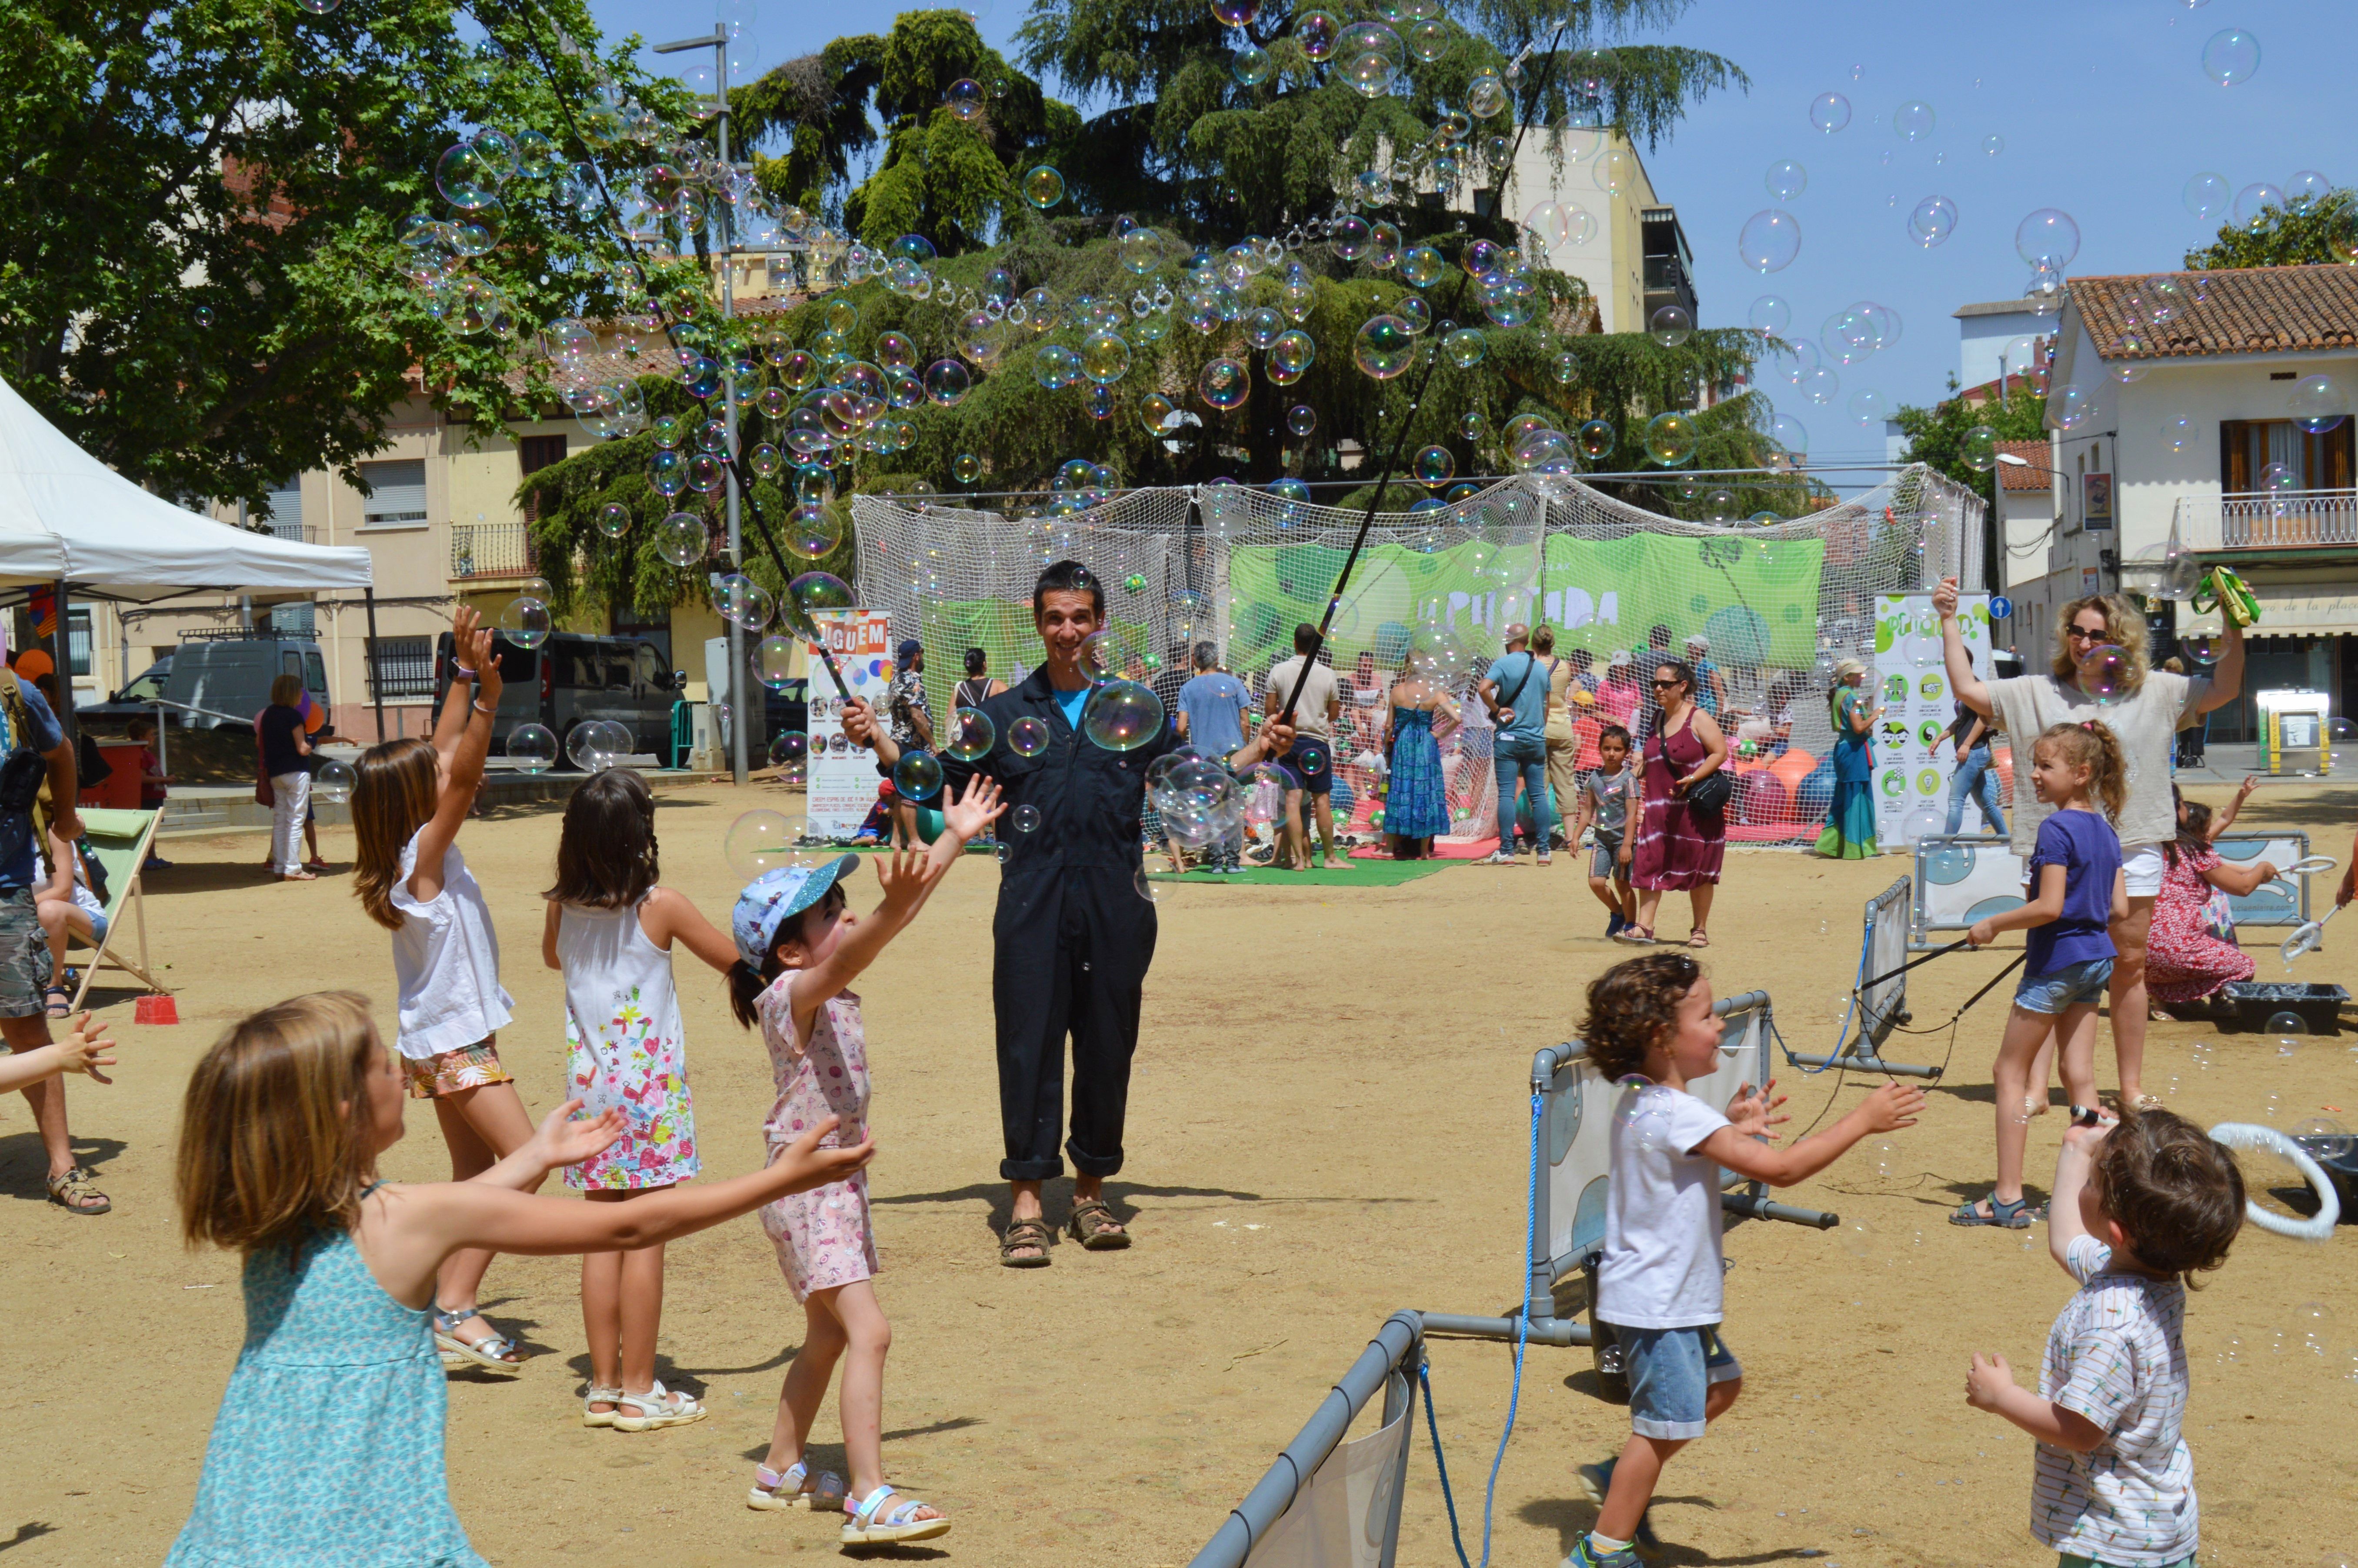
column 2075, row 891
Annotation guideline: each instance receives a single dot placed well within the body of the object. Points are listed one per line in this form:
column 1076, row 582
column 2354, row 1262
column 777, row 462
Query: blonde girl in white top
column 612, row 929
column 411, row 799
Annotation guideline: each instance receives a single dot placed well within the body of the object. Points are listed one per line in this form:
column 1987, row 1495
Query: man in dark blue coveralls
column 1073, row 936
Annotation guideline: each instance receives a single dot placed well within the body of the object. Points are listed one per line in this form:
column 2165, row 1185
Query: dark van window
column 580, row 669
column 618, row 669
column 517, row 665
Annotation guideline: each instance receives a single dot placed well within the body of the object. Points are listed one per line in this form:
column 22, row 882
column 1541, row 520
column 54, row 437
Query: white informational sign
column 1912, row 766
column 843, row 777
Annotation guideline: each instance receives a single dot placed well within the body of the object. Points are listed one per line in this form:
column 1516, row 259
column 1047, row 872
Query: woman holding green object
column 1850, row 822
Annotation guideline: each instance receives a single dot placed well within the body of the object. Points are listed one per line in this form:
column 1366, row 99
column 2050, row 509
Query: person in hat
column 799, row 948
column 1074, row 935
column 912, row 722
column 1711, row 688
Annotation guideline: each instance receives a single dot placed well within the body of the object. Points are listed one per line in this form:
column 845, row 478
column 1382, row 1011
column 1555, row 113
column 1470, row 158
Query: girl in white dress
column 611, row 929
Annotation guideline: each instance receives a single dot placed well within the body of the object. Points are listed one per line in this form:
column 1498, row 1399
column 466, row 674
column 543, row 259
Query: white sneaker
column 1499, row 857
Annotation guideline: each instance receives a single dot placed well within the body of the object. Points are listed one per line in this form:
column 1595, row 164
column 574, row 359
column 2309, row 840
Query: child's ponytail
column 2093, row 745
column 746, row 985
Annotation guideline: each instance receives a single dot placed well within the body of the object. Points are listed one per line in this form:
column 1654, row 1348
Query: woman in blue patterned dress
column 1416, row 804
column 1850, row 824
column 328, row 1444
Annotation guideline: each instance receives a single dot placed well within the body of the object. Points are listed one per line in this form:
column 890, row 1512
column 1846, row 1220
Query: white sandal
column 873, row 1524
column 795, row 1487
column 658, row 1407
column 489, row 1352
column 611, row 1398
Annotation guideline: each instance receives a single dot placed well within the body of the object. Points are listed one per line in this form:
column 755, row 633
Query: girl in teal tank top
column 328, row 1448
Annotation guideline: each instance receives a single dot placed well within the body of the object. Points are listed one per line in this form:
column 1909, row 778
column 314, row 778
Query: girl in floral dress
column 2184, row 962
column 611, row 930
column 799, row 948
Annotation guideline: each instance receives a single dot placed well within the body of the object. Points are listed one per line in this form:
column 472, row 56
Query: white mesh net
column 1775, row 604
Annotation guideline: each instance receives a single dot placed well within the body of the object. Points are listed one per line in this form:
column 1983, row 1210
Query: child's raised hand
column 566, row 1141
column 903, row 876
column 1753, row 1111
column 974, row 810
column 85, row 1050
column 1893, row 1105
column 1988, row 1380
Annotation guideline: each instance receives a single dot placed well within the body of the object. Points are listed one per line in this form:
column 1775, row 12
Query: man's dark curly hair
column 1632, row 1008
column 2175, row 1190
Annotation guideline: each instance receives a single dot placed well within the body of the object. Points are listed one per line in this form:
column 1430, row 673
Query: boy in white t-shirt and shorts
column 1651, row 1028
column 2138, row 1208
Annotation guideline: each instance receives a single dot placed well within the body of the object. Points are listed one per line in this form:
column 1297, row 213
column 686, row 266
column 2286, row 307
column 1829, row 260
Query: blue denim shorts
column 1603, row 861
column 2073, row 985
column 1671, row 1373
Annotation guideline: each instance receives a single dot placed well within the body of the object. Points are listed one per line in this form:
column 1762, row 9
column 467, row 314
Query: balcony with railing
column 2274, row 520
column 294, row 531
column 490, row 550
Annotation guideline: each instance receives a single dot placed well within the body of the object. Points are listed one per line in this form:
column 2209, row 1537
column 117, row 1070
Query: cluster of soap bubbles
column 1200, row 803
column 596, row 744
column 2209, row 197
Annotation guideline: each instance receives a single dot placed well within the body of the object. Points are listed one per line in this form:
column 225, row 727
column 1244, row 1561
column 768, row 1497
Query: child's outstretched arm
column 1990, row 1386
column 2072, row 1164
column 465, row 623
column 1736, row 1146
column 559, row 1140
column 83, row 1050
column 2044, row 909
column 670, row 915
column 462, row 764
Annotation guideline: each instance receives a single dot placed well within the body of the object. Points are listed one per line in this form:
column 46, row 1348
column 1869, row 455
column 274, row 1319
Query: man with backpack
column 1516, row 693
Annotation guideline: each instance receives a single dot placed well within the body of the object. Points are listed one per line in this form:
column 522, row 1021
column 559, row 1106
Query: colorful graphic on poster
column 843, row 777
column 1912, row 763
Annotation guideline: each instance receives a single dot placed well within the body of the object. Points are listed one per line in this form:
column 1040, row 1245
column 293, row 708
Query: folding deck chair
column 118, row 840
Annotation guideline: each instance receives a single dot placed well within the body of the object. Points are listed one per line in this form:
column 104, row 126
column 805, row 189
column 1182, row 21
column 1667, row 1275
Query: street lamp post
column 738, row 688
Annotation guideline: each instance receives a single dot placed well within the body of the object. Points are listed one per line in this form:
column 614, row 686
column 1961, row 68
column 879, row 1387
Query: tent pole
column 375, row 675
column 61, row 651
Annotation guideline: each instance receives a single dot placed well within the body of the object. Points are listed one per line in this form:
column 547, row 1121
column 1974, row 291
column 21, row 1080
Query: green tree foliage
column 1182, row 136
column 198, row 237
column 946, row 177
column 1936, row 435
column 2324, row 232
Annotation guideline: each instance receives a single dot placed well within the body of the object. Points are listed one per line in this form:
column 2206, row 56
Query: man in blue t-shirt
column 1515, row 689
column 1212, row 706
column 29, row 726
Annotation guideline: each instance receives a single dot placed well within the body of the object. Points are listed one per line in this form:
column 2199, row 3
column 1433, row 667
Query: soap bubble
column 1786, row 180
column 2048, row 238
column 808, row 595
column 1290, row 357
column 971, row 735
column 1598, row 440
column 1933, row 220
column 1993, row 144
column 1384, row 347
column 963, row 99
column 1105, row 655
column 1820, row 386
column 2104, row 676
column 525, row 622
column 1671, row 326
column 2254, row 202
column 1466, row 347
column 1024, row 819
column 2230, row 56
column 1912, row 120
column 531, row 749
column 812, row 531
column 1122, row 716
column 757, row 843
column 1301, row 418
column 1105, row 358
column 789, row 749
column 1433, row 465
column 1027, row 737
column 2317, row 404
column 2179, row 434
column 1225, row 384
column 947, row 382
column 2287, row 1024
column 2325, row 1138
column 1830, row 111
column 333, row 782
column 1642, row 1118
column 1980, row 449
column 2306, row 190
column 1769, row 241
column 2206, row 196
column 1789, row 434
column 774, row 658
column 1769, row 314
column 917, row 775
column 2201, row 647
column 1044, row 188
column 738, row 599
column 681, row 539
column 1249, row 65
column 1857, row 1238
column 1671, row 438
column 596, row 744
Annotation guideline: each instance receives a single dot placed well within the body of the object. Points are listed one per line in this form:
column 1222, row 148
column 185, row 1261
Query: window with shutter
column 286, row 503
column 399, row 498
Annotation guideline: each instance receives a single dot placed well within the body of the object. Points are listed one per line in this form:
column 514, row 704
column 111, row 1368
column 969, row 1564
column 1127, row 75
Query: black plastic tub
column 2249, row 1003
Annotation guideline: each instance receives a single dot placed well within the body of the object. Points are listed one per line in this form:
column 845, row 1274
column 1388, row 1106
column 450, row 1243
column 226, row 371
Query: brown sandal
column 1698, row 937
column 76, row 1192
column 1022, row 1234
column 1095, row 1227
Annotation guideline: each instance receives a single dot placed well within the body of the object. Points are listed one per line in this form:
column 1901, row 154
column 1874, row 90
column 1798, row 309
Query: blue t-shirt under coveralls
column 2088, row 850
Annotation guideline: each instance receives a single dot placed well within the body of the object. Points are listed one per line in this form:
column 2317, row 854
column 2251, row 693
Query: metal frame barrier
column 1985, row 864
column 1888, row 924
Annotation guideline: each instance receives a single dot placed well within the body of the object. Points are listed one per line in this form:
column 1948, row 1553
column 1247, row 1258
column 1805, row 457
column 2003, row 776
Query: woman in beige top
column 1563, row 745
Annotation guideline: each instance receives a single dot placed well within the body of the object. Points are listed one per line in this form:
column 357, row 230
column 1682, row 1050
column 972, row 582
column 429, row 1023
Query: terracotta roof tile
column 2037, row 454
column 2240, row 310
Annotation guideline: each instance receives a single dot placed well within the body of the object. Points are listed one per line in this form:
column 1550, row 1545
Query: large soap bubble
column 1931, row 220
column 2048, row 238
column 1122, row 716
column 1980, row 449
column 1044, row 188
column 525, row 621
column 2317, row 404
column 1830, row 111
column 681, row 539
column 757, row 843
column 1671, row 326
column 1384, row 348
column 2206, row 196
column 2104, row 672
column 971, row 735
column 597, row 744
column 1912, row 120
column 1769, row 314
column 1786, row 180
column 1671, row 438
column 2230, row 56
column 333, row 782
column 1027, row 737
column 918, row 775
column 1224, row 383
column 808, row 595
column 531, row 749
column 1770, row 240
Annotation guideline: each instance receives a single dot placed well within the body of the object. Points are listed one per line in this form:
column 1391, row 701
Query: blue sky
column 2102, row 105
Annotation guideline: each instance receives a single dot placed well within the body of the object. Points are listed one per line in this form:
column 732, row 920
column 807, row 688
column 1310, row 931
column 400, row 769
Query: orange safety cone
column 157, row 1008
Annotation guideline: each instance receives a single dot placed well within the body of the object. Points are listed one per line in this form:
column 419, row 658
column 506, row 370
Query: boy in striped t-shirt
column 2136, row 1208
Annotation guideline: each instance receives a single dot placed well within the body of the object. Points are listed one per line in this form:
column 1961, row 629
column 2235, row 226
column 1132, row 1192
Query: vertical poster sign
column 1912, row 763
column 843, row 777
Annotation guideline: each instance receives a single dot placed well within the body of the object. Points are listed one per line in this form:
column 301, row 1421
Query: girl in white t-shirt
column 1651, row 1028
column 411, row 799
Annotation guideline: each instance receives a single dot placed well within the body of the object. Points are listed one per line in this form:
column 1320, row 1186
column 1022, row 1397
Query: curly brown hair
column 2174, row 1190
column 2091, row 744
column 1632, row 1008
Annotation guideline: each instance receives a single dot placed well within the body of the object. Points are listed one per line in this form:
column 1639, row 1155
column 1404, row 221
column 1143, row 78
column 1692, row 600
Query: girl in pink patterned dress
column 799, row 948
column 611, row 930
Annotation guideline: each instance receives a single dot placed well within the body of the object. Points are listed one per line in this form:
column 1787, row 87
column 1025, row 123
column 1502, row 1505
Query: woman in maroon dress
column 1678, row 846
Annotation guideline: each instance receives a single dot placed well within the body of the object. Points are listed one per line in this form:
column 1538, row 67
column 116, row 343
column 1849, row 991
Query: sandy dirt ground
column 1328, row 1123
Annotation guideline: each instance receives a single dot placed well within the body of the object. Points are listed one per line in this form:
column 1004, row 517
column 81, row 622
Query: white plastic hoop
column 2309, row 865
column 2317, row 1227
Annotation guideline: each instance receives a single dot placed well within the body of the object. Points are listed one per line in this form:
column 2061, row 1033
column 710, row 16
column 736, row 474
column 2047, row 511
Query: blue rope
column 1432, row 1424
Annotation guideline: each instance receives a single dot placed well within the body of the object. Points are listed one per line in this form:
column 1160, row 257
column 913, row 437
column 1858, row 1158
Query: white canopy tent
column 67, row 517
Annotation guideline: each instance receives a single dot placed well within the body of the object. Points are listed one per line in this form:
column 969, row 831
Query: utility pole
column 741, row 690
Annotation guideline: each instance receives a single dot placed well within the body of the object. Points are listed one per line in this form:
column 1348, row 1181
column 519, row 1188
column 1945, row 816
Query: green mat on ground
column 1356, row 873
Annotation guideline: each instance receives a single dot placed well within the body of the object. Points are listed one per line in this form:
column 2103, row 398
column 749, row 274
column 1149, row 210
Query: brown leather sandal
column 1023, row 1234
column 1095, row 1227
